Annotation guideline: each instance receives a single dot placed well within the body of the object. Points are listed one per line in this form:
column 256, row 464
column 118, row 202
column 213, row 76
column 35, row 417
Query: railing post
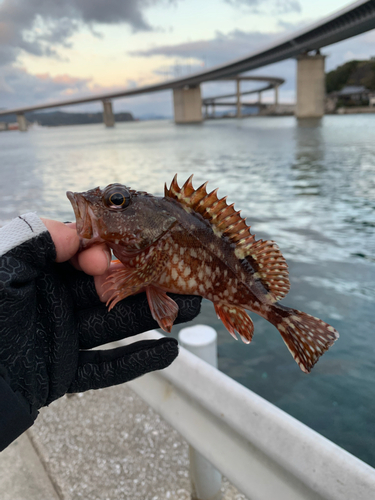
column 205, row 480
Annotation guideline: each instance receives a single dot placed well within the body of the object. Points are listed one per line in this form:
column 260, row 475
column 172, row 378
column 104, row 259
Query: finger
column 99, row 369
column 81, row 286
column 129, row 317
column 64, row 237
column 94, row 261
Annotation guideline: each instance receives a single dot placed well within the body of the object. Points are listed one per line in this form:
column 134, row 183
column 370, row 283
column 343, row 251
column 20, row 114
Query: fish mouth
column 81, row 212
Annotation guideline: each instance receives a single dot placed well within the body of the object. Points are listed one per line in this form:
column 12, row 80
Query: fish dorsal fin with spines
column 264, row 256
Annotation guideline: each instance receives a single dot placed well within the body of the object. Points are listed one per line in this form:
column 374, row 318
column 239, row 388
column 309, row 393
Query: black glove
column 50, row 313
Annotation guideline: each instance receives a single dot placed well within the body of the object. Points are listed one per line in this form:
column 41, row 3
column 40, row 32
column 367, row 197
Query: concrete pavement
column 100, row 445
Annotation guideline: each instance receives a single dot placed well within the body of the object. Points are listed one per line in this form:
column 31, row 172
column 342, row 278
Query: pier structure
column 350, row 21
column 108, row 116
column 187, row 103
column 272, row 83
column 22, row 123
column 310, row 86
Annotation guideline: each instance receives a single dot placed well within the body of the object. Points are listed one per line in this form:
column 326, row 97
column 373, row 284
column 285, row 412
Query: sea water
column 308, row 185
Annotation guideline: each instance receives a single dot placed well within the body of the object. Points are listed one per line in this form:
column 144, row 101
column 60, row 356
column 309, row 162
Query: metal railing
column 262, row 450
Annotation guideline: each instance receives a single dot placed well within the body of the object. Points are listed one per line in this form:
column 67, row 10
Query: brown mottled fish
column 191, row 242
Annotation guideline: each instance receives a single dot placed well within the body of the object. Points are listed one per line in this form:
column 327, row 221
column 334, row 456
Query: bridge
column 272, row 83
column 304, row 45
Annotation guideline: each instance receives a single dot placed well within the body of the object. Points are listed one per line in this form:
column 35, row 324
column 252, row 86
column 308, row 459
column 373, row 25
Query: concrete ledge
column 23, row 476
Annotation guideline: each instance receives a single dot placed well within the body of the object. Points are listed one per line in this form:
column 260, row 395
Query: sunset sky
column 52, row 49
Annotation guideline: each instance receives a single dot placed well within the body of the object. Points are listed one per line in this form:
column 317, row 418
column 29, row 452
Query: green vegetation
column 352, row 73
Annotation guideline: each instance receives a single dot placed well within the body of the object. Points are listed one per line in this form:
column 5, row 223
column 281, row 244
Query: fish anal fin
column 164, row 310
column 306, row 337
column 235, row 319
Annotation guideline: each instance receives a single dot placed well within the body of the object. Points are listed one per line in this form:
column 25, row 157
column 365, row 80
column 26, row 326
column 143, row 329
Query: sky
column 53, row 50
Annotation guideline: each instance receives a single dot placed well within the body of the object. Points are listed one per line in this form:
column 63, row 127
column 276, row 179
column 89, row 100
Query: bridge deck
column 352, row 20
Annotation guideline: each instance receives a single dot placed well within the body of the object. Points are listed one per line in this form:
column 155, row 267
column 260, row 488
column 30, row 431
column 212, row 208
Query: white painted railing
column 263, row 451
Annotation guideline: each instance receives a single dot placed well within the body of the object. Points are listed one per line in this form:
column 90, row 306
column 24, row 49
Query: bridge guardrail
column 262, row 450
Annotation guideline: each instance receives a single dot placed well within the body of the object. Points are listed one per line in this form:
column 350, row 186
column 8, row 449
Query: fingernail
column 109, row 258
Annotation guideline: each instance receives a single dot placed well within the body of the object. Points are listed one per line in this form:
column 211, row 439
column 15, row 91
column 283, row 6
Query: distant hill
column 354, row 73
column 57, row 118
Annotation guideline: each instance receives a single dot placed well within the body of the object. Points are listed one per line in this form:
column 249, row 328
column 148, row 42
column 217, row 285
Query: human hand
column 51, row 313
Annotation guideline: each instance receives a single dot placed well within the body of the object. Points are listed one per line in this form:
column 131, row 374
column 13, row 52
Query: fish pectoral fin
column 122, row 283
column 125, row 281
column 236, row 319
column 164, row 310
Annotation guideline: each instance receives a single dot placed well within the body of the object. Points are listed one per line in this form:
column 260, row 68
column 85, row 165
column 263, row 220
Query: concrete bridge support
column 310, row 86
column 187, row 105
column 22, row 123
column 108, row 116
column 238, row 90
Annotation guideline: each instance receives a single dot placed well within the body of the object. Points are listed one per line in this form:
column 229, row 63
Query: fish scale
column 192, row 242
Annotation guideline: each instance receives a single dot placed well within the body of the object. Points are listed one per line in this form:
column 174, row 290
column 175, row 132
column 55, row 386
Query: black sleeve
column 18, row 259
column 15, row 415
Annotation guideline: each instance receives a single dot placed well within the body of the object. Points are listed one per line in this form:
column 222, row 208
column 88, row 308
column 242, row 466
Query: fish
column 192, row 242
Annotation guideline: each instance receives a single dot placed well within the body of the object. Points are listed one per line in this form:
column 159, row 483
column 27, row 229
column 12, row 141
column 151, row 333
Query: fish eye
column 116, row 197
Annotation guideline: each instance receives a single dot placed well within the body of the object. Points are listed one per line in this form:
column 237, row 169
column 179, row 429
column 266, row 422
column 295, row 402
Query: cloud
column 271, row 6
column 20, row 88
column 39, row 27
column 220, row 49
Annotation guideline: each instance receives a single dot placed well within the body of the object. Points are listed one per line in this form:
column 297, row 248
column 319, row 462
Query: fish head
column 121, row 216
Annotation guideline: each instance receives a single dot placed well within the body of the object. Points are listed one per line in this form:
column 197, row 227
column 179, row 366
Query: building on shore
column 349, row 96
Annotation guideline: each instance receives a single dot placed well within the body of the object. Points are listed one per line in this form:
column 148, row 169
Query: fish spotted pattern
column 192, row 242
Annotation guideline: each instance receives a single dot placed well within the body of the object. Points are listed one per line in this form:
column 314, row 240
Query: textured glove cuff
column 14, row 415
column 19, row 230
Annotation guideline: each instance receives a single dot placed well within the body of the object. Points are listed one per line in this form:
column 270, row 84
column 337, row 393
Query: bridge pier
column 276, row 95
column 108, row 116
column 238, row 88
column 187, row 105
column 22, row 123
column 310, row 86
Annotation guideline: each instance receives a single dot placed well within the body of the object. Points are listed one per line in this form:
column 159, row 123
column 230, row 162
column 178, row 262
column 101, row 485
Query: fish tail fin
column 306, row 337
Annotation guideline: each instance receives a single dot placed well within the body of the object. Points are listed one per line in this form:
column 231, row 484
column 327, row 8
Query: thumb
column 99, row 369
column 64, row 237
